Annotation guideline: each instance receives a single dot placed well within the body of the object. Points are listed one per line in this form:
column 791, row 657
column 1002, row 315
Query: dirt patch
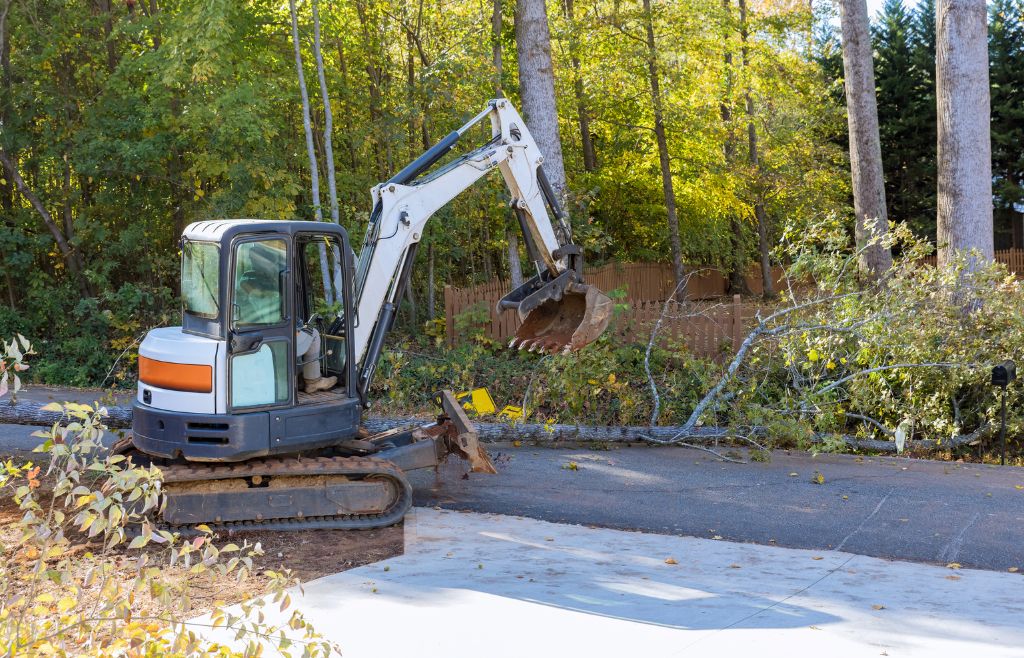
column 312, row 554
column 309, row 554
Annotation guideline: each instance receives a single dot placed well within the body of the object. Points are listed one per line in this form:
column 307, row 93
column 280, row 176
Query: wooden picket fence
column 1012, row 258
column 708, row 328
column 656, row 281
column 710, row 324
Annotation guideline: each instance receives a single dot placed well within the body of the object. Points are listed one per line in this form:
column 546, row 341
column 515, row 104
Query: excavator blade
column 466, row 442
column 564, row 324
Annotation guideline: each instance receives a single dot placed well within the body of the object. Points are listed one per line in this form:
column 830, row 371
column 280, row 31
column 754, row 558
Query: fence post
column 737, row 323
column 449, row 316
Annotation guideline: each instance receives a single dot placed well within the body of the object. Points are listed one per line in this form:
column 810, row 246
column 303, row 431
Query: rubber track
column 362, row 467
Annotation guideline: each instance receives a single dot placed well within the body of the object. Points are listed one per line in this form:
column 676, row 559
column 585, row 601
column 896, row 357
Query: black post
column 1002, row 431
column 1002, row 375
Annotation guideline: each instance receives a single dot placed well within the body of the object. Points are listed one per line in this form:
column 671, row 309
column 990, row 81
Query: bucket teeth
column 539, row 345
column 512, row 343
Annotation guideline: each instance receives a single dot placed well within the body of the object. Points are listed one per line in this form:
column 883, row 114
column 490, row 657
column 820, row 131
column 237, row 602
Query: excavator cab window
column 200, row 279
column 322, row 302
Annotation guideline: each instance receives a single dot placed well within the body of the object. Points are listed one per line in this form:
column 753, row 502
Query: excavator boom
column 557, row 310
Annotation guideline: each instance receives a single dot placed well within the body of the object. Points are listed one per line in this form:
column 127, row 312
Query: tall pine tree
column 1006, row 71
column 895, row 80
column 921, row 105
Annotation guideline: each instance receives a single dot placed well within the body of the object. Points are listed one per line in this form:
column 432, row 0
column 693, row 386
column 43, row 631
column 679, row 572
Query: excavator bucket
column 565, row 325
column 562, row 315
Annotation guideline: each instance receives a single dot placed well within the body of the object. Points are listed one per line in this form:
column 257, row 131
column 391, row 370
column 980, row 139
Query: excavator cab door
column 261, row 353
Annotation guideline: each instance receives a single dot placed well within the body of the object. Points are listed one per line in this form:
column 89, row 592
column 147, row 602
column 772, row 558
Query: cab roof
column 222, row 230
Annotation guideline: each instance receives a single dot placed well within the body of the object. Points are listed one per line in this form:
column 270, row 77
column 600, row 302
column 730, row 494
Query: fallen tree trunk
column 29, row 413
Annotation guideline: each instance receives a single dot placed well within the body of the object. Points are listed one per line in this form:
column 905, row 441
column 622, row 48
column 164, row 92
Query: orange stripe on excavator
column 176, row 376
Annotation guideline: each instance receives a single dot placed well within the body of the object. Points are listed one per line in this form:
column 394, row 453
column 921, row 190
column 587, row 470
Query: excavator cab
column 227, row 384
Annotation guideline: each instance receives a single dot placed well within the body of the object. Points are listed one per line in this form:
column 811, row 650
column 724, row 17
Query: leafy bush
column 84, row 572
column 89, row 341
column 912, row 351
column 604, row 384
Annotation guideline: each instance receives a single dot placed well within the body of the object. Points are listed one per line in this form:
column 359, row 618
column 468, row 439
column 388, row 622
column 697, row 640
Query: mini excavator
column 220, row 406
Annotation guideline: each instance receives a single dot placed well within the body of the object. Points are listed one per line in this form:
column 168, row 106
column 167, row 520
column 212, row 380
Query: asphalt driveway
column 908, row 509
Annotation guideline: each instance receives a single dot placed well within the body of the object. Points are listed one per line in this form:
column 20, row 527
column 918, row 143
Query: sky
column 875, row 6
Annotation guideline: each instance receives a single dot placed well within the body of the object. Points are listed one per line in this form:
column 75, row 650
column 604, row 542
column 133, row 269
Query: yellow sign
column 511, row 412
column 478, row 401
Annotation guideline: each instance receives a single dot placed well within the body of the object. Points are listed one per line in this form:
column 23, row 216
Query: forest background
column 128, row 120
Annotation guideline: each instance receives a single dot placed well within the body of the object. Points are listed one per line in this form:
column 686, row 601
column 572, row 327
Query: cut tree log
column 29, row 413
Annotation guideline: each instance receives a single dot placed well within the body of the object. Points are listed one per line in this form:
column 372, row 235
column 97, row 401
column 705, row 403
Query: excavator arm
column 559, row 313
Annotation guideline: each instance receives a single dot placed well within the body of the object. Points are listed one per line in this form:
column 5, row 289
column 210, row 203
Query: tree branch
column 839, row 382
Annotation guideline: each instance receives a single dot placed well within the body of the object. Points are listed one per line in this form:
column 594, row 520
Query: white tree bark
column 496, row 24
column 307, row 126
column 537, row 86
column 964, row 219
column 865, row 149
column 664, row 161
column 515, row 266
column 332, row 189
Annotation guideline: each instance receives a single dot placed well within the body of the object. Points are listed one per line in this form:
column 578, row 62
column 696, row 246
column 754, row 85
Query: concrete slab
column 475, row 585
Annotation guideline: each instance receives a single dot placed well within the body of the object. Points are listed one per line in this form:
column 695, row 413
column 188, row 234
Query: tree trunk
column 346, row 113
column 431, row 290
column 10, row 291
column 7, row 189
column 5, row 9
column 537, row 87
column 306, row 123
column 486, row 251
column 754, row 158
column 375, row 72
column 496, row 25
column 964, row 219
column 663, row 156
column 28, row 413
column 105, row 6
column 760, row 215
column 764, row 250
column 871, row 220
column 515, row 267
column 582, row 112
column 410, row 93
column 153, row 11
column 410, row 297
column 69, row 223
column 67, row 251
column 332, row 189
column 738, row 259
